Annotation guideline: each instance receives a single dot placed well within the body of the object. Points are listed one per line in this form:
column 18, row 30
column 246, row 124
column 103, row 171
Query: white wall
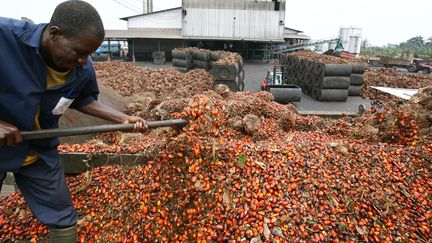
column 234, row 19
column 171, row 19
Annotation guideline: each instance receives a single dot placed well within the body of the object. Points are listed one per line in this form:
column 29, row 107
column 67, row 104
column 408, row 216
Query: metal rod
column 64, row 132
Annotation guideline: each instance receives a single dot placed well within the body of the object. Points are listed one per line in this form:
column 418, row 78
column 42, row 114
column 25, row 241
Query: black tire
column 214, row 55
column 331, row 95
column 335, row 82
column 316, row 82
column 241, row 75
column 358, row 68
column 333, row 70
column 225, row 71
column 301, row 76
column 201, row 64
column 223, row 54
column 158, row 54
column 290, row 61
column 181, row 63
column 159, row 61
column 183, row 69
column 356, row 79
column 241, row 63
column 304, row 64
column 241, row 85
column 412, row 69
column 309, row 79
column 314, row 94
column 180, row 54
column 354, row 90
column 201, row 55
column 240, row 79
column 232, row 84
column 310, row 66
column 361, row 109
column 285, row 93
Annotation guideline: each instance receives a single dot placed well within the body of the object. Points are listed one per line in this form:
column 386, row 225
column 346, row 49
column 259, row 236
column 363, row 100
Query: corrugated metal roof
column 152, row 33
column 172, row 34
column 164, row 34
column 287, row 29
column 294, row 36
column 290, row 33
column 263, row 5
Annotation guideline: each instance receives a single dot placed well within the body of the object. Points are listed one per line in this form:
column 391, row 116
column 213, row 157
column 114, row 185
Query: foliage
column 415, row 46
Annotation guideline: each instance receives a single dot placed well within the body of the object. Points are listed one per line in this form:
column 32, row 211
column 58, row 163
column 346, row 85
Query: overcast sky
column 382, row 21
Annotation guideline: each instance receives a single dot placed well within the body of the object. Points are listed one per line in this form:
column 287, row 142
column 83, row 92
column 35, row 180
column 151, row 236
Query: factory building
column 250, row 27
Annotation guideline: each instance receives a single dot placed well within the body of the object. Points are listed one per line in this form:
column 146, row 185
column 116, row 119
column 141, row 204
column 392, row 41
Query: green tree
column 413, row 43
column 365, row 44
column 415, row 46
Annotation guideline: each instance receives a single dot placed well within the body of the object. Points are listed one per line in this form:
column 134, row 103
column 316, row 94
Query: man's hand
column 140, row 125
column 9, row 135
column 102, row 111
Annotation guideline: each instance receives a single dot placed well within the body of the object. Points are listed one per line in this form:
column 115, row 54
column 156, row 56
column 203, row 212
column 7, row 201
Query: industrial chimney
column 147, row 6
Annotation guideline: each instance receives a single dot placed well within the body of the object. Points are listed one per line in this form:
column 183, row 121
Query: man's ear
column 54, row 32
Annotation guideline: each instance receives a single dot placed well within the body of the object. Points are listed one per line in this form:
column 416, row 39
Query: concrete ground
column 7, row 189
column 8, row 185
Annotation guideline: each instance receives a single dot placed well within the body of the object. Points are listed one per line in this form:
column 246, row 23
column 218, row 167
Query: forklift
column 282, row 92
column 274, row 77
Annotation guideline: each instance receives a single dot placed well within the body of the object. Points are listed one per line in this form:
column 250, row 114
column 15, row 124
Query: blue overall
column 23, row 77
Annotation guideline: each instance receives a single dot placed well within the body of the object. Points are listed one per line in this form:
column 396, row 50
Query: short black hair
column 74, row 17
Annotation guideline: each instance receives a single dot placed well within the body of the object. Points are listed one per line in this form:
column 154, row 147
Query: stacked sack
column 226, row 67
column 356, row 79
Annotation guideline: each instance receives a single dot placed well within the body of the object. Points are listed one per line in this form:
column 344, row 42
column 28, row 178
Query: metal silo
column 354, row 44
column 345, row 34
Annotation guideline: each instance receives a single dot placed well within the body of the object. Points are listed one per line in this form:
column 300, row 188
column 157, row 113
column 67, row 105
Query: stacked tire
column 330, row 81
column 159, row 57
column 226, row 67
column 182, row 59
column 201, row 59
column 232, row 74
column 356, row 79
column 285, row 93
column 322, row 82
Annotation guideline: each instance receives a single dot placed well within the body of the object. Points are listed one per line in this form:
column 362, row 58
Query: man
column 44, row 69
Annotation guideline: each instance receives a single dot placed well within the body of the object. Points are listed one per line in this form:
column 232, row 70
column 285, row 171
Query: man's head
column 74, row 32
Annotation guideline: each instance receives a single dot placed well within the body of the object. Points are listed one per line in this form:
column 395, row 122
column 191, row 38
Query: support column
column 109, row 50
column 133, row 51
